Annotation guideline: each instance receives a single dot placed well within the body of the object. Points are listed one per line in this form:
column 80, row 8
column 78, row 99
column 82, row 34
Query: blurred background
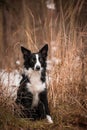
column 63, row 25
column 33, row 23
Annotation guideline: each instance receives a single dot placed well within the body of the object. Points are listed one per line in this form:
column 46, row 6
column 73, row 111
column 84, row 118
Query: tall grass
column 67, row 73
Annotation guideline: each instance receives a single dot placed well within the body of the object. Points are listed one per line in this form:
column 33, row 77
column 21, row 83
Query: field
column 65, row 30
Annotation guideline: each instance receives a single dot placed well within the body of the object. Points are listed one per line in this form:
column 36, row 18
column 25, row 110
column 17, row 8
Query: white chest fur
column 35, row 86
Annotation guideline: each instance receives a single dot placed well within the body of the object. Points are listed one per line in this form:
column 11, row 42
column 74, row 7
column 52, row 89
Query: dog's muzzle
column 37, row 68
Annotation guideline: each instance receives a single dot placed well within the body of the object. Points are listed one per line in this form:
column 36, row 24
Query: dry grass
column 67, row 73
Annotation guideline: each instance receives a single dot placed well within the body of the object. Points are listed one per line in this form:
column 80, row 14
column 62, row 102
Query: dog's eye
column 33, row 59
column 41, row 60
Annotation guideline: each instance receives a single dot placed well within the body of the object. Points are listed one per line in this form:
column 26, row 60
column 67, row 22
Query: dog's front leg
column 44, row 101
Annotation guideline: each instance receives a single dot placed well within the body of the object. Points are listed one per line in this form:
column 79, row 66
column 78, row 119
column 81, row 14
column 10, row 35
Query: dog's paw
column 49, row 119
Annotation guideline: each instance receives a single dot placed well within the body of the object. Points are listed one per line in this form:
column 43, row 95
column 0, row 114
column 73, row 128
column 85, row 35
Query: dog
column 32, row 92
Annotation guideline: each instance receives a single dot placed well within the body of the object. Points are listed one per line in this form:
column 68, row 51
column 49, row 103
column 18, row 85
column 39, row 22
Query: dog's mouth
column 37, row 68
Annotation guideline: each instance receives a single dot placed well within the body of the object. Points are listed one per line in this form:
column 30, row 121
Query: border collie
column 32, row 92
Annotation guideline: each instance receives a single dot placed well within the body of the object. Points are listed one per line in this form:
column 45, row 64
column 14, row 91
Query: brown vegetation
column 65, row 30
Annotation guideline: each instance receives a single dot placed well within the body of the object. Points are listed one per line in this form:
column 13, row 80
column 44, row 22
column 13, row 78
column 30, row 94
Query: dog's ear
column 44, row 50
column 26, row 53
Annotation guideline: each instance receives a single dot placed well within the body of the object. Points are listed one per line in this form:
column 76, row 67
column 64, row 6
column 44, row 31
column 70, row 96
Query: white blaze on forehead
column 37, row 61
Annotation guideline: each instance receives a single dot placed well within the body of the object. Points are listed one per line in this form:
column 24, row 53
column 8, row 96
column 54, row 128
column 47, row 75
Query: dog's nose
column 37, row 67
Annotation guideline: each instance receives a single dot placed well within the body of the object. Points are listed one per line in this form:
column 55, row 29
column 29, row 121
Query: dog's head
column 35, row 61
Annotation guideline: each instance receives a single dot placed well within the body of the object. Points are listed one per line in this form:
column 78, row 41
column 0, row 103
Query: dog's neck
column 35, row 75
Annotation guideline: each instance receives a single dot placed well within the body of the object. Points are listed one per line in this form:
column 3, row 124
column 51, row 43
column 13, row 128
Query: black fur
column 24, row 97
